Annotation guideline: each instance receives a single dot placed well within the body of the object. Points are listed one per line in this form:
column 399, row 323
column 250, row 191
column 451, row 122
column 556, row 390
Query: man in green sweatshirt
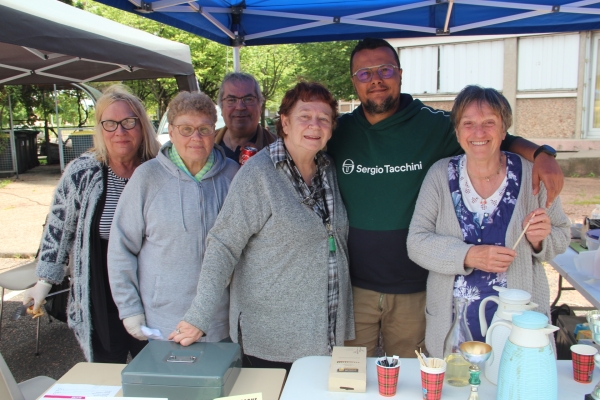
column 382, row 152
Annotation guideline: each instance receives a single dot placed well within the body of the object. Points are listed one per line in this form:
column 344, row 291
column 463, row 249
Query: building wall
column 546, row 118
column 537, row 118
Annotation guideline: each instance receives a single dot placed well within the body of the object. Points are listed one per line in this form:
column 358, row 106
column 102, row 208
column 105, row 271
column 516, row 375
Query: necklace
column 487, row 178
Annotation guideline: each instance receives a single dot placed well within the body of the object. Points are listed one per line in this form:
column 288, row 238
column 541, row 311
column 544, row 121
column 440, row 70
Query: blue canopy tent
column 262, row 22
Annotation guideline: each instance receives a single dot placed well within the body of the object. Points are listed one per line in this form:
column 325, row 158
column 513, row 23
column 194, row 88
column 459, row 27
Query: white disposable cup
column 584, row 349
column 439, row 370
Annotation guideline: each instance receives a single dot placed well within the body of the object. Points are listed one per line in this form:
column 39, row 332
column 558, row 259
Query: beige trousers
column 400, row 318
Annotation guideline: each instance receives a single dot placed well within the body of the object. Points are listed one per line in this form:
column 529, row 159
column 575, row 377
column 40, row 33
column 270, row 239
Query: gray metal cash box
column 201, row 371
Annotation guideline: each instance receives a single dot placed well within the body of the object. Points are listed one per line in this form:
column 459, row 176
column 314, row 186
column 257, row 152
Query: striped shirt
column 114, row 187
column 319, row 198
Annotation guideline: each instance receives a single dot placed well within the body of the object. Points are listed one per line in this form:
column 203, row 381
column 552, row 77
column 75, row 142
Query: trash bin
column 26, row 145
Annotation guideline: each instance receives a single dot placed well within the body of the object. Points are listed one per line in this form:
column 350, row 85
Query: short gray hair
column 481, row 95
column 195, row 103
column 240, row 77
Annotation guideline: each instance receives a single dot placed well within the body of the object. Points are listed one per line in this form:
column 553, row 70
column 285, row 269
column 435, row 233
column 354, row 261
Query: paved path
column 24, row 204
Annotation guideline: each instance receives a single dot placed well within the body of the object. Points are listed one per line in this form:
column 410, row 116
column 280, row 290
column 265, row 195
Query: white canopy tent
column 49, row 42
column 46, row 41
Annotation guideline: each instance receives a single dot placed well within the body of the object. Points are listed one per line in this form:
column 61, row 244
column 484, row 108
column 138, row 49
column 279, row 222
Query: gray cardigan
column 157, row 241
column 68, row 231
column 278, row 248
column 435, row 242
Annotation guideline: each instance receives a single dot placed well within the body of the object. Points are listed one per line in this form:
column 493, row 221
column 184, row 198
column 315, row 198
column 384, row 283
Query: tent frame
column 534, row 10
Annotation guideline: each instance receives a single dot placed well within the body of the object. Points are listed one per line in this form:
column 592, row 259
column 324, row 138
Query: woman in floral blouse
column 470, row 212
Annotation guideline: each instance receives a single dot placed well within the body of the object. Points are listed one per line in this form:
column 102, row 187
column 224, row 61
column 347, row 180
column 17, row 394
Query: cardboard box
column 348, row 370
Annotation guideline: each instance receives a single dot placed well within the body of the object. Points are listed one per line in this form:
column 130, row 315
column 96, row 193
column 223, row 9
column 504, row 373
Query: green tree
column 208, row 58
column 274, row 67
column 329, row 64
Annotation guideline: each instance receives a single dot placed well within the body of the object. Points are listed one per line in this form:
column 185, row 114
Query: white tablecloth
column 309, row 375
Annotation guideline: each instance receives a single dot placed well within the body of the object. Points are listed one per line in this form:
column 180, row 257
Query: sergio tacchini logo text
column 348, row 167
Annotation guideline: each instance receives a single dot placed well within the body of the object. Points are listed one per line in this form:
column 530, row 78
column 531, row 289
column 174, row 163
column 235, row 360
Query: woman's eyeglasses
column 188, row 130
column 232, row 101
column 127, row 124
column 385, row 71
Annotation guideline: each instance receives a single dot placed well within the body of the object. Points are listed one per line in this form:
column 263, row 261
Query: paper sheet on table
column 71, row 391
column 251, row 396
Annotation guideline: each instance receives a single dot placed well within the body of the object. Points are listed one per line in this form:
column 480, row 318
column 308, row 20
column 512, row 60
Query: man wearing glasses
column 382, row 151
column 241, row 103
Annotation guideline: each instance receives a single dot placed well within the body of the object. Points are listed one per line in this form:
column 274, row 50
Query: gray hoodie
column 157, row 241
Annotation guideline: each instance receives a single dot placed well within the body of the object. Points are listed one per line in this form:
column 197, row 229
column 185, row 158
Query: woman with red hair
column 282, row 233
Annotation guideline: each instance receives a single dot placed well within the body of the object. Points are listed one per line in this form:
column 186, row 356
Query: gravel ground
column 59, row 351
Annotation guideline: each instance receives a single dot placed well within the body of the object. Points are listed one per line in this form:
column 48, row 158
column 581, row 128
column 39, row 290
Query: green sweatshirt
column 380, row 169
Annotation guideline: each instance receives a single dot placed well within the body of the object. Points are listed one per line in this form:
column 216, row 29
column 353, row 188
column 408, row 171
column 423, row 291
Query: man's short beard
column 387, row 105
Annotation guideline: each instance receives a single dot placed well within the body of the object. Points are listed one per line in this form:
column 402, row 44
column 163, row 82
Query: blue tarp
column 260, row 22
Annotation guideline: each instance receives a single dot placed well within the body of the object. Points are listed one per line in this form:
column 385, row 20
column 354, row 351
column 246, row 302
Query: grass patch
column 4, row 182
column 587, row 202
column 575, row 175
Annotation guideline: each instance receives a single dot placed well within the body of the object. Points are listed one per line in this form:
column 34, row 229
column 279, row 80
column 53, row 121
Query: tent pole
column 58, row 133
column 451, row 3
column 13, row 142
column 236, row 59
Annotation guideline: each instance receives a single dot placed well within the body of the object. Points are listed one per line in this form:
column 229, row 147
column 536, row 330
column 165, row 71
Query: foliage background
column 277, row 68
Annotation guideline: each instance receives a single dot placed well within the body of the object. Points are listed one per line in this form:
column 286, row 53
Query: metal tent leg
column 37, row 337
column 1, row 307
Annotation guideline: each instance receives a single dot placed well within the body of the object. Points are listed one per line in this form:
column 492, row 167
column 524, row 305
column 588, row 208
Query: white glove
column 38, row 294
column 134, row 326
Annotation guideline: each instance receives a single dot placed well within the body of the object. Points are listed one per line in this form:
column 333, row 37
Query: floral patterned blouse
column 486, row 228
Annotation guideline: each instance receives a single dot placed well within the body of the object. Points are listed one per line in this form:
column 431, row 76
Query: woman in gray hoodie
column 160, row 226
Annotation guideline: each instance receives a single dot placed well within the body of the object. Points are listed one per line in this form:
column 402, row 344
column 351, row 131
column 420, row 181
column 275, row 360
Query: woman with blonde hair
column 79, row 223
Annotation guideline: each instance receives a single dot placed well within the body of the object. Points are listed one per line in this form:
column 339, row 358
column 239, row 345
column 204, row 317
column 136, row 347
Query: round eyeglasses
column 188, row 130
column 232, row 101
column 127, row 124
column 385, row 71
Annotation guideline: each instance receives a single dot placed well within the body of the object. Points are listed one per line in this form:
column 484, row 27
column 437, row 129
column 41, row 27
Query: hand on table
column 133, row 325
column 38, row 294
column 547, row 170
column 490, row 258
column 185, row 334
column 539, row 227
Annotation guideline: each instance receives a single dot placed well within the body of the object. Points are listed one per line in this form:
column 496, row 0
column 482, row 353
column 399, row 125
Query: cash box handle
column 181, row 359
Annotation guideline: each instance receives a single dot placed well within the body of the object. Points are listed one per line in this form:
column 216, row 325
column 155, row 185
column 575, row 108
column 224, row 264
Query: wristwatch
column 545, row 149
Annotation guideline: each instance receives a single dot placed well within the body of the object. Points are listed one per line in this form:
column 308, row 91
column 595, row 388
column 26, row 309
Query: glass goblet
column 475, row 353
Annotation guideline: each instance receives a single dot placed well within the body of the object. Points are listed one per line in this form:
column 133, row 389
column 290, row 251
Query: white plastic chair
column 19, row 278
column 30, row 389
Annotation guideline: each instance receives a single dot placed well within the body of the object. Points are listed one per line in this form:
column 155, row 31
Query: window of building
column 448, row 68
column 548, row 62
column 593, row 92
